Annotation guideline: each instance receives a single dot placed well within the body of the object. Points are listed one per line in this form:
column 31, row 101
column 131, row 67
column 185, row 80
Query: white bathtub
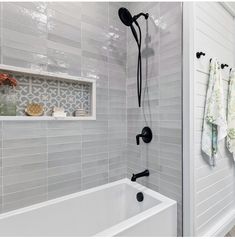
column 108, row 210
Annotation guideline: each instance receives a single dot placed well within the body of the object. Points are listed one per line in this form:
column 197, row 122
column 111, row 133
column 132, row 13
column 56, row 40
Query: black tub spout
column 145, row 173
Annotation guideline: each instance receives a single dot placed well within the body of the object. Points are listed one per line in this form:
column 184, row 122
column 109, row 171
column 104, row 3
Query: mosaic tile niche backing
column 70, row 95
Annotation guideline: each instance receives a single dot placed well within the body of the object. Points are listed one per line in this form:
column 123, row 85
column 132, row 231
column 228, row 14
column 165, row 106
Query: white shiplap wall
column 214, row 35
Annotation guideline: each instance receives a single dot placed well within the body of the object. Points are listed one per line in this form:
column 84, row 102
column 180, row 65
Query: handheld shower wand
column 128, row 20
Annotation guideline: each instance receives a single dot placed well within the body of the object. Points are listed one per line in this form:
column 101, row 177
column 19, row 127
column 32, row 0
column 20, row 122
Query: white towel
column 231, row 114
column 214, row 124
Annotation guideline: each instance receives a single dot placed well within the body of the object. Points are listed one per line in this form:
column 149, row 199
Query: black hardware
column 140, row 196
column 127, row 19
column 146, row 135
column 145, row 173
column 199, row 54
column 223, row 66
column 145, row 15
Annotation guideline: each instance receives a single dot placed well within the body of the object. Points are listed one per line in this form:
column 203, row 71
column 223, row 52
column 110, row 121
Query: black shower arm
column 145, row 15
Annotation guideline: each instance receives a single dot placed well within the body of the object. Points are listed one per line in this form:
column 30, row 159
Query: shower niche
column 75, row 95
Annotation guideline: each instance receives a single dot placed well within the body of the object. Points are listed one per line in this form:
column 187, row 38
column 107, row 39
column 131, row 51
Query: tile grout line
column 127, row 53
column 47, row 156
column 159, row 97
column 1, row 5
column 47, row 164
column 2, row 166
column 80, row 126
column 108, row 101
column 81, row 155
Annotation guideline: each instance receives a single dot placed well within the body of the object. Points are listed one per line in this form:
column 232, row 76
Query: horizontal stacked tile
column 24, row 163
column 1, row 178
column 117, row 94
column 64, row 38
column 51, row 159
column 161, row 100
column 0, row 34
column 24, row 35
column 64, row 158
column 94, row 153
column 44, row 160
column 170, row 111
column 95, row 64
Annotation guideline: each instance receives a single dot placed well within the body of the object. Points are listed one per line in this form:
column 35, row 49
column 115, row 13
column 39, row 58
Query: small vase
column 7, row 101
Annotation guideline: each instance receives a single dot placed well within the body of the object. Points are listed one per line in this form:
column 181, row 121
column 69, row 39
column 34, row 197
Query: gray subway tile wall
column 43, row 160
column 161, row 102
column 24, row 163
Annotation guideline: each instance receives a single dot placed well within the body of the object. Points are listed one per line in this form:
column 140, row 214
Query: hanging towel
column 214, row 124
column 231, row 114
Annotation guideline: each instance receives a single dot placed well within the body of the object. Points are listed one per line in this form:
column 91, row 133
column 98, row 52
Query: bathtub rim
column 132, row 221
column 164, row 202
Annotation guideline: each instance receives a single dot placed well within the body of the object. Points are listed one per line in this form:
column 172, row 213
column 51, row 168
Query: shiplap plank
column 214, row 34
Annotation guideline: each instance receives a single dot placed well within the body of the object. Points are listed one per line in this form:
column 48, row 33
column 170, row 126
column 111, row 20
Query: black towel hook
column 223, row 66
column 199, row 54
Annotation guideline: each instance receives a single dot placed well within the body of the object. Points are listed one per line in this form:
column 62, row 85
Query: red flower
column 5, row 79
column 3, row 76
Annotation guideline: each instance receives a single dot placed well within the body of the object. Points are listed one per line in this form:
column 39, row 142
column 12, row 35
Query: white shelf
column 45, row 74
column 44, row 118
column 53, row 76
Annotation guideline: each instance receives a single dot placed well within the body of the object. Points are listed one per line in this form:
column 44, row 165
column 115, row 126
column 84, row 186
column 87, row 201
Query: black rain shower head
column 128, row 20
column 125, row 16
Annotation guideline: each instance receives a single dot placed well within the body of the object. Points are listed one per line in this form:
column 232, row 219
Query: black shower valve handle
column 138, row 138
column 146, row 135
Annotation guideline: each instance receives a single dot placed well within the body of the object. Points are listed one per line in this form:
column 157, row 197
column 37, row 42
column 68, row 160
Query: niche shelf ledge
column 43, row 118
column 55, row 76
